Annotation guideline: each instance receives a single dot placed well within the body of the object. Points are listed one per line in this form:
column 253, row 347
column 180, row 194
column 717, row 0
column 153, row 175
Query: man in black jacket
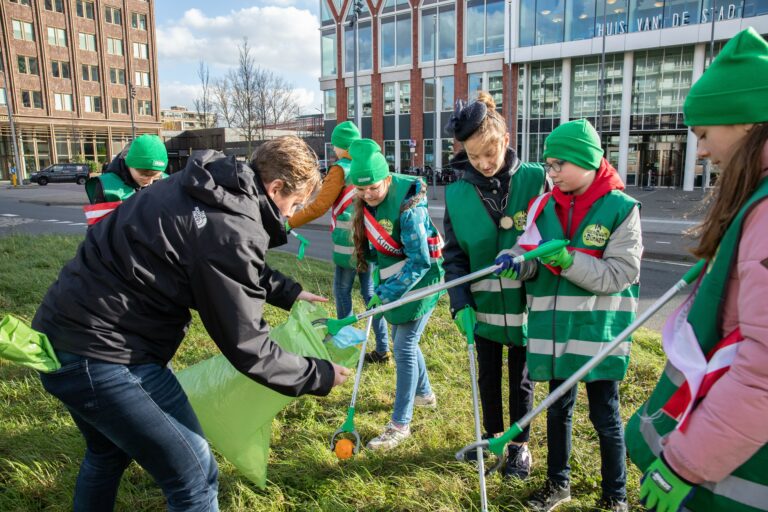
column 119, row 310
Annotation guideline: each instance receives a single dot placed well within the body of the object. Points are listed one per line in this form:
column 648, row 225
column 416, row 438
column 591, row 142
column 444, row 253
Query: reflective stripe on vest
column 586, row 304
column 494, row 284
column 576, row 347
column 500, row 320
column 347, row 250
column 387, row 272
column 342, row 203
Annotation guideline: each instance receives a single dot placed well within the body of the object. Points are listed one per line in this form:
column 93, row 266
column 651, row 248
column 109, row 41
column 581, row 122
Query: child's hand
column 662, row 489
column 508, row 266
column 374, row 302
column 562, row 258
column 341, row 374
column 466, row 316
column 310, row 297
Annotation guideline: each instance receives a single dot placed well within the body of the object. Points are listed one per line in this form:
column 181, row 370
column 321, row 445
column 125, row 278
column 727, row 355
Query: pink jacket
column 729, row 425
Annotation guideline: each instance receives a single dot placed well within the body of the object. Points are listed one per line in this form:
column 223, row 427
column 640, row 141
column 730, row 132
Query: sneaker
column 549, row 497
column 612, row 504
column 390, row 438
column 519, row 461
column 429, row 401
column 375, row 356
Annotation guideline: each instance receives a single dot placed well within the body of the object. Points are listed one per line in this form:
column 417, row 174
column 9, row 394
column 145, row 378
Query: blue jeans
column 343, row 280
column 410, row 368
column 603, row 396
column 134, row 412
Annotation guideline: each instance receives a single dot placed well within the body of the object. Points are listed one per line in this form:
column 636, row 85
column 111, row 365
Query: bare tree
column 222, row 99
column 244, row 93
column 281, row 101
column 204, row 102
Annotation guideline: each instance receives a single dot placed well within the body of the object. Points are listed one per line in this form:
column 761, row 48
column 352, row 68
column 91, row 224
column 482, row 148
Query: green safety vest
column 342, row 214
column 746, row 489
column 568, row 325
column 500, row 302
column 115, row 189
column 388, row 216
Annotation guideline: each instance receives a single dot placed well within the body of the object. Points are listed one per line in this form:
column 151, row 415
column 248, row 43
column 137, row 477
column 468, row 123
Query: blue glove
column 508, row 267
column 662, row 490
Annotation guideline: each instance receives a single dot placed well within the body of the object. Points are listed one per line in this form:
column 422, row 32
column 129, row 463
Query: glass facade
column 484, row 26
column 446, row 32
column 405, row 97
column 329, row 104
column 446, row 93
column 429, row 95
column 395, row 44
column 328, row 52
column 545, row 82
column 366, row 104
column 662, row 79
column 364, row 47
column 585, row 90
column 491, row 82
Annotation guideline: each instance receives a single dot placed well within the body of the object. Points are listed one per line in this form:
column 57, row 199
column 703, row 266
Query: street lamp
column 9, row 104
column 437, row 111
column 708, row 162
column 322, row 124
column 132, row 94
column 601, row 91
column 357, row 9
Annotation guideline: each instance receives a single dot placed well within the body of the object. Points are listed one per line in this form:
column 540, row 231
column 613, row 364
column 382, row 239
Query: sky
column 283, row 35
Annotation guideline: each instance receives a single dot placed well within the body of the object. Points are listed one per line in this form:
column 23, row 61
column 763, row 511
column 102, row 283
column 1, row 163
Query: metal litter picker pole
column 497, row 445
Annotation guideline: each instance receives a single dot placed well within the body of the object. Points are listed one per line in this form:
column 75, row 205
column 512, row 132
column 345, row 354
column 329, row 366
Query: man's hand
column 310, row 297
column 662, row 490
column 341, row 374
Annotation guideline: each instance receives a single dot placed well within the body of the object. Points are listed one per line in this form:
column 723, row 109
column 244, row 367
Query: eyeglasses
column 556, row 166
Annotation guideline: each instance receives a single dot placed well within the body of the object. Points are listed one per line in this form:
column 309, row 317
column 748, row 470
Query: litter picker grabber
column 303, row 244
column 468, row 328
column 334, row 325
column 496, row 446
column 349, row 425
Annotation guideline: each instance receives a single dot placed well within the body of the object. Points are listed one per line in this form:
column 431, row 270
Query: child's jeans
column 603, row 396
column 343, row 280
column 490, row 359
column 410, row 368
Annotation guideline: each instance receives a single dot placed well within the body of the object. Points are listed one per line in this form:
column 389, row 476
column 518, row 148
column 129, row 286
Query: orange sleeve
column 332, row 186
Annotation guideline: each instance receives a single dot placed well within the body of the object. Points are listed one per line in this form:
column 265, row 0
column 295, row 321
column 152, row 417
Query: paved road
column 20, row 212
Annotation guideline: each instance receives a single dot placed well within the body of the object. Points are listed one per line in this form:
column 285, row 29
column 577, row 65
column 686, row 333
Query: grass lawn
column 40, row 448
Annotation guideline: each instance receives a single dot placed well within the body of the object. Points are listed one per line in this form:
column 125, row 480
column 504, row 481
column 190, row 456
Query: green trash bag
column 21, row 344
column 235, row 411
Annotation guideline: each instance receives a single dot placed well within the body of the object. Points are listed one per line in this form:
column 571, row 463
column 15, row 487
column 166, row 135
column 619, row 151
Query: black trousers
column 490, row 358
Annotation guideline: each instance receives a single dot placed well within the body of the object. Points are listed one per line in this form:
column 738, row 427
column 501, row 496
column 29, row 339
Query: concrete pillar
column 626, row 113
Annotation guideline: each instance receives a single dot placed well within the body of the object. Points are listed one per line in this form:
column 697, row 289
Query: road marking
column 670, row 221
column 8, row 215
column 660, row 242
column 78, row 224
column 51, row 220
column 666, row 262
column 64, row 222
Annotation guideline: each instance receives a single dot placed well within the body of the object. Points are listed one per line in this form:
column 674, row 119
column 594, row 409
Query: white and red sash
column 701, row 370
column 342, row 203
column 95, row 212
column 383, row 242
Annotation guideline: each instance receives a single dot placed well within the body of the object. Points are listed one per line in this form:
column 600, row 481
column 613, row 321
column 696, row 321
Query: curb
column 664, row 256
column 43, row 202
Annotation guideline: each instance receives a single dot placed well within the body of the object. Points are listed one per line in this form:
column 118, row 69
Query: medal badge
column 506, row 222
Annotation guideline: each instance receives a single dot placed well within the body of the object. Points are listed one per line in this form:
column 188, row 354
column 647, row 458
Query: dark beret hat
column 466, row 118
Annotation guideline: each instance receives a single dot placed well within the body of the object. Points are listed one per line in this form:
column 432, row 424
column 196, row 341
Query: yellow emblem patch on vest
column 520, row 218
column 387, row 225
column 595, row 235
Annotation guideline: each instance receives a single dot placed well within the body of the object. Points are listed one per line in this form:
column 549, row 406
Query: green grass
column 40, row 448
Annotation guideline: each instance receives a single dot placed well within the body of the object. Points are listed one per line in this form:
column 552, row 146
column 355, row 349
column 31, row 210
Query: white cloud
column 177, row 93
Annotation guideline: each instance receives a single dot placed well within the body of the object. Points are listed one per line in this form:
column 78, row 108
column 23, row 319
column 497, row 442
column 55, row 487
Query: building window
column 662, row 79
column 114, row 46
column 62, row 101
column 23, row 30
column 329, row 104
column 429, row 95
column 485, row 26
column 544, row 81
column 396, row 34
column 60, row 69
column 579, row 20
column 113, row 15
column 54, row 5
column 141, row 79
column 93, row 103
column 389, row 153
column 3, row 98
column 405, row 97
column 365, row 102
column 140, row 51
column 84, row 9
column 446, row 92
column 389, row 98
column 117, row 76
column 20, row 2
column 139, row 21
column 364, row 41
column 328, row 52
column 90, row 73
column 119, row 106
column 145, row 107
column 57, row 37
column 28, row 65
column 491, row 82
column 754, row 7
column 87, row 41
column 326, row 17
column 446, row 32
column 585, row 90
column 32, row 99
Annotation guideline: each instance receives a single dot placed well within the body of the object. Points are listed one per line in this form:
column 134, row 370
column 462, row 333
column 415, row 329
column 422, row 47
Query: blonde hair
column 493, row 126
column 289, row 159
column 734, row 187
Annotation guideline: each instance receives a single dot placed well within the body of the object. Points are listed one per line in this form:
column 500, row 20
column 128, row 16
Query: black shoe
column 377, row 357
column 612, row 504
column 471, row 456
column 519, row 462
column 549, row 497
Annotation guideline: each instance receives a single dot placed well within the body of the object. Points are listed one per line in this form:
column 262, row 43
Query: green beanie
column 345, row 134
column 734, row 89
column 147, row 152
column 368, row 164
column 576, row 142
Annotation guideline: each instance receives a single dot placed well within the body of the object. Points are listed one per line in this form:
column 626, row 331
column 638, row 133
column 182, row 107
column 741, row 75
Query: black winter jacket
column 196, row 240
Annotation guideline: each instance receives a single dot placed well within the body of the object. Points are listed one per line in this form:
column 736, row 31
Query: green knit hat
column 368, row 164
column 147, row 152
column 344, row 134
column 576, row 142
column 735, row 87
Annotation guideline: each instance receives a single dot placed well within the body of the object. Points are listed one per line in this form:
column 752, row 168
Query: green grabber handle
column 303, row 244
column 349, row 423
column 496, row 446
column 334, row 325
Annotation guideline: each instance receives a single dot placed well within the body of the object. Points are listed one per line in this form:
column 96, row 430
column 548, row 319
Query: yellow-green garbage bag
column 23, row 345
column 235, row 411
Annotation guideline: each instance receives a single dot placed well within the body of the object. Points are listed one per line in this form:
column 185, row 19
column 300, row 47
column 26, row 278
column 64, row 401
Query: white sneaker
column 429, row 401
column 390, row 438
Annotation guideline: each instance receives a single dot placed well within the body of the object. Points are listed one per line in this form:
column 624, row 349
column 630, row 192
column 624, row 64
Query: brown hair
column 359, row 236
column 289, row 159
column 735, row 185
column 493, row 126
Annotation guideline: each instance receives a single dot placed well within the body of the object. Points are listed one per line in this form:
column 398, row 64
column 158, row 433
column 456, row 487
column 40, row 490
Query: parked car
column 61, row 173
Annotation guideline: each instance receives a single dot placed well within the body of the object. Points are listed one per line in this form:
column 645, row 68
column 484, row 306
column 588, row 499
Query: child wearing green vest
column 701, row 438
column 581, row 298
column 485, row 213
column 392, row 228
column 339, row 197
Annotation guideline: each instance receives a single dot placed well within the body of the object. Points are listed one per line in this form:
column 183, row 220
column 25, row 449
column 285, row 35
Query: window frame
column 61, row 65
column 109, row 15
column 84, row 7
column 87, row 37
